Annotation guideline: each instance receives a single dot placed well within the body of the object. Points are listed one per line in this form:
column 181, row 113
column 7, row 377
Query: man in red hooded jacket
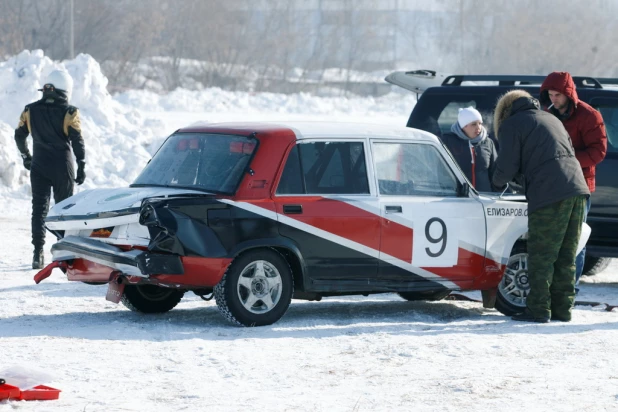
column 585, row 127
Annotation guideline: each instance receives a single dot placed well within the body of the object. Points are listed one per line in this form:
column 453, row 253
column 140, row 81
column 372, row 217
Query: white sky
column 376, row 353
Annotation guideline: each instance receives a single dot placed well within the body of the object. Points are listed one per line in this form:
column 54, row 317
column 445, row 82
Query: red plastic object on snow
column 9, row 392
column 38, row 393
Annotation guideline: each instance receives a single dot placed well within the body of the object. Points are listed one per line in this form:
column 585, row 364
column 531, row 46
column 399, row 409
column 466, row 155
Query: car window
column 211, row 162
column 291, row 181
column 325, row 168
column 610, row 118
column 412, row 169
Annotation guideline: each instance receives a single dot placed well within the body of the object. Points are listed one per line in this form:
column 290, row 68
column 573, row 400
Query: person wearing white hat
column 55, row 129
column 473, row 150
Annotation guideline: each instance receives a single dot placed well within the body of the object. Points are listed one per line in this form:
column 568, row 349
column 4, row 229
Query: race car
column 256, row 214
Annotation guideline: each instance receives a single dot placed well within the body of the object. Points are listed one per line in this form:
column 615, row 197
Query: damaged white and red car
column 257, row 214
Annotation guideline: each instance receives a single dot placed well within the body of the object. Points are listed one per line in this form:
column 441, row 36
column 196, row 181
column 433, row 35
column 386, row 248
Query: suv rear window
column 211, row 162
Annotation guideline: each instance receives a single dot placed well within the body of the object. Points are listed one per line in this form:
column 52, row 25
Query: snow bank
column 122, row 132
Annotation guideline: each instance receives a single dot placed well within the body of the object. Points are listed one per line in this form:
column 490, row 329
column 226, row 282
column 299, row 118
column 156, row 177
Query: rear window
column 211, row 162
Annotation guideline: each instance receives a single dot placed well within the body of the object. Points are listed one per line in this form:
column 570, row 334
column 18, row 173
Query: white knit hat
column 467, row 116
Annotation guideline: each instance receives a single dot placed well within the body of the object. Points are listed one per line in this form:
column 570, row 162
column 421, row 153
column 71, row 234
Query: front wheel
column 256, row 289
column 514, row 286
column 150, row 298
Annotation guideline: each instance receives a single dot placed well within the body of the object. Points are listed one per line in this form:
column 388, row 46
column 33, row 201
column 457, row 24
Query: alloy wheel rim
column 259, row 287
column 515, row 285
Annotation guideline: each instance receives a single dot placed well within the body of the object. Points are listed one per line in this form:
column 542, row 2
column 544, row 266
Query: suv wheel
column 256, row 289
column 594, row 265
column 514, row 286
column 150, row 298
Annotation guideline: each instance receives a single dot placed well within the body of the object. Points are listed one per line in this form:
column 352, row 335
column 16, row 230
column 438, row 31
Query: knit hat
column 467, row 116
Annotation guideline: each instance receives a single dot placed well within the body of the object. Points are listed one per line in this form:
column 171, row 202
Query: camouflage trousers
column 553, row 235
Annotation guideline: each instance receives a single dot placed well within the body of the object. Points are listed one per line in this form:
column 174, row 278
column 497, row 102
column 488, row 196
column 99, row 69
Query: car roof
column 316, row 130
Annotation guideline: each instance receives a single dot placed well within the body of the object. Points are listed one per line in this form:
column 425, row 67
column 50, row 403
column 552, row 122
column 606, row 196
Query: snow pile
column 115, row 139
column 122, row 132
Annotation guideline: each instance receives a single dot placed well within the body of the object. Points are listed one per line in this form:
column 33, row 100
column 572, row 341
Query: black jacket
column 536, row 144
column 484, row 159
column 55, row 128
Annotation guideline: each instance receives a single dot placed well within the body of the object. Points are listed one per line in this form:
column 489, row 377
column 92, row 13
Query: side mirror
column 464, row 190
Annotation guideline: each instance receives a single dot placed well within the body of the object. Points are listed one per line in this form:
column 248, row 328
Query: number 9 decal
column 435, row 242
column 441, row 239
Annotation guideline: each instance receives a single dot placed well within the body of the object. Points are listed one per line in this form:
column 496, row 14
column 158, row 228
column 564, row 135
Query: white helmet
column 61, row 80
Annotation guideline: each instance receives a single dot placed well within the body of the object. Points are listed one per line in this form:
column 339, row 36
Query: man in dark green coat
column 536, row 144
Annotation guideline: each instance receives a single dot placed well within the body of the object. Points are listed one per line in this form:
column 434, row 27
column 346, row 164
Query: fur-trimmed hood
column 507, row 106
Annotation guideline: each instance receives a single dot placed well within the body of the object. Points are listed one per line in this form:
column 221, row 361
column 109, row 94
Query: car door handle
column 293, row 209
column 393, row 209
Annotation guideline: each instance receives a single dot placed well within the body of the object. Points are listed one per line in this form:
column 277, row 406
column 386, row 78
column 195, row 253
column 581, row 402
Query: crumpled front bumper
column 133, row 262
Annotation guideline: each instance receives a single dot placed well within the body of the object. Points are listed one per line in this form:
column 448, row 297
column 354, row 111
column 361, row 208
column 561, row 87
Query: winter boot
column 38, row 260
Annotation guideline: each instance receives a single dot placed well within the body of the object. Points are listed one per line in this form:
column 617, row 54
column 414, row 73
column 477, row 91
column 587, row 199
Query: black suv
column 441, row 96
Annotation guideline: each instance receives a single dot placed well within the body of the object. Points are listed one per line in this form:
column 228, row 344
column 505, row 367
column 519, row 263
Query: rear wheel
column 594, row 265
column 514, row 286
column 150, row 298
column 425, row 295
column 256, row 290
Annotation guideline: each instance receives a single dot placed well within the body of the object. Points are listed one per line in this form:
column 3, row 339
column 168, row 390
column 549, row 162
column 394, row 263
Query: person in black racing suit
column 55, row 128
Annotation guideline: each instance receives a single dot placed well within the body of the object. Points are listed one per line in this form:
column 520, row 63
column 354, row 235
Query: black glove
column 27, row 160
column 81, row 174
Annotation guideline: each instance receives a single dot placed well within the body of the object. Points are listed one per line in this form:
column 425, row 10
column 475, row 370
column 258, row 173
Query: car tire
column 256, row 289
column 432, row 295
column 594, row 265
column 150, row 298
column 514, row 286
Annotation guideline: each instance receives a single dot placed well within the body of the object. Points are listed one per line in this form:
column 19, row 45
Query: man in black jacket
column 536, row 144
column 55, row 128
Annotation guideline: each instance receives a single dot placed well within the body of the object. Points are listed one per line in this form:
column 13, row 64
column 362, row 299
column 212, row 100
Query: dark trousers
column 42, row 184
column 553, row 235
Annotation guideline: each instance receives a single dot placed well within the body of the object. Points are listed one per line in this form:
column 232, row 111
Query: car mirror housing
column 463, row 190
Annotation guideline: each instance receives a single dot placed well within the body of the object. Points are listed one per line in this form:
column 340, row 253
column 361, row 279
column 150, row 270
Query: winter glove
column 27, row 160
column 81, row 174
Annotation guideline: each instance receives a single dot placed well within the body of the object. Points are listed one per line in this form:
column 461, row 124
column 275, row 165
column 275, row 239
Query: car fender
column 273, row 243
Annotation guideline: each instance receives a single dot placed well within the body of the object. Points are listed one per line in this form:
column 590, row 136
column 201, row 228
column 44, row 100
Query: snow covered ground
column 340, row 354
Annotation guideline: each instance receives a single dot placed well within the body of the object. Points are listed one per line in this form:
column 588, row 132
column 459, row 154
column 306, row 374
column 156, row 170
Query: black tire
column 425, row 295
column 594, row 265
column 256, row 299
column 514, row 286
column 150, row 298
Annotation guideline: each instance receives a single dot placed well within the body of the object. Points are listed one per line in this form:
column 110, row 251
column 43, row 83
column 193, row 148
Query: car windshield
column 210, row 162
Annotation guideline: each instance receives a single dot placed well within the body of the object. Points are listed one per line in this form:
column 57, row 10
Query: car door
column 429, row 233
column 603, row 216
column 325, row 205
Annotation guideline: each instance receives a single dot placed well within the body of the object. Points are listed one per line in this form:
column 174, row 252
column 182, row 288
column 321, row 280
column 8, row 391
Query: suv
column 441, row 96
column 256, row 214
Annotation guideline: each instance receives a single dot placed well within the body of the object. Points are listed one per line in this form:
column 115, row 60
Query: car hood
column 102, row 203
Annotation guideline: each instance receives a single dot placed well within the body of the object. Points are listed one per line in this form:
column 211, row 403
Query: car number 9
column 435, row 242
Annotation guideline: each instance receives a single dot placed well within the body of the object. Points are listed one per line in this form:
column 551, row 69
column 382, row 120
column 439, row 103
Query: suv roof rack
column 420, row 80
column 512, row 80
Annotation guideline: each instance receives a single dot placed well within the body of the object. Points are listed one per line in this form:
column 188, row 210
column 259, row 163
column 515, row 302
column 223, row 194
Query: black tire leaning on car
column 594, row 265
column 272, row 284
column 150, row 298
column 514, row 286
